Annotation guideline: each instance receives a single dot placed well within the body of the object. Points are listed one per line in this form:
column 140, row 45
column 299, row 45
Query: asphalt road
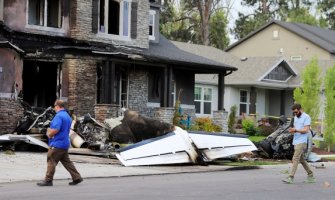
column 249, row 184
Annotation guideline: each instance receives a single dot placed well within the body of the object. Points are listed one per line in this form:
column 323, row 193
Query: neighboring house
column 270, row 61
column 99, row 55
column 294, row 41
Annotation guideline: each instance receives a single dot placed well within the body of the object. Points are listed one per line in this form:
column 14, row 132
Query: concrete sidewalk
column 31, row 166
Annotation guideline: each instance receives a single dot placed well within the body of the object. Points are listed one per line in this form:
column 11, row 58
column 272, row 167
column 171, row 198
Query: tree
column 196, row 21
column 327, row 9
column 329, row 132
column 308, row 94
column 265, row 10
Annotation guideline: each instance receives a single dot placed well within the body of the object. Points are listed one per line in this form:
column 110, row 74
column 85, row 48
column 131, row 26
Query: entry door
column 40, row 83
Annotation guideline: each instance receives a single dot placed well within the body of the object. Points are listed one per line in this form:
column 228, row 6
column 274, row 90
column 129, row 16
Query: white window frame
column 44, row 27
column 202, row 100
column 120, row 36
column 244, row 103
column 153, row 14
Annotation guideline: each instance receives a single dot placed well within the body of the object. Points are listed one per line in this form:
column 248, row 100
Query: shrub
column 232, row 119
column 205, row 124
column 248, row 125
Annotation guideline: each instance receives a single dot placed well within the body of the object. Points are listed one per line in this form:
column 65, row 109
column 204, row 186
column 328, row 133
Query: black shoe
column 75, row 182
column 45, row 183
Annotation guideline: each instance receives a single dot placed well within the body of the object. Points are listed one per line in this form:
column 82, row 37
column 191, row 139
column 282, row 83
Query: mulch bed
column 321, row 151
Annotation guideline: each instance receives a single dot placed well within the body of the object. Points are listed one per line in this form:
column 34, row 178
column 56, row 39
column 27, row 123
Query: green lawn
column 256, row 138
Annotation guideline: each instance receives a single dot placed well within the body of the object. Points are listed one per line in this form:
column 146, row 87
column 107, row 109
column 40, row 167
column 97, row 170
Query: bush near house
column 249, row 126
column 205, row 124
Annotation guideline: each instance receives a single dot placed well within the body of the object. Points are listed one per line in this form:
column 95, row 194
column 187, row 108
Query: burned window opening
column 45, row 13
column 112, row 84
column 155, row 79
column 40, row 83
column 114, row 17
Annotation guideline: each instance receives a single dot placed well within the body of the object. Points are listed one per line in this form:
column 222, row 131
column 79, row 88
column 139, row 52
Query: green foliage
column 232, row 119
column 326, row 7
column 205, row 124
column 181, row 21
column 218, row 32
column 308, row 95
column 290, row 11
column 329, row 132
column 249, row 126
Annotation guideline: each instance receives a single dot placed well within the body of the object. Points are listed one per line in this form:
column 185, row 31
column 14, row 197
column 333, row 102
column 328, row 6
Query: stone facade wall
column 11, row 113
column 105, row 111
column 138, row 91
column 81, row 24
column 163, row 114
column 82, row 85
column 220, row 118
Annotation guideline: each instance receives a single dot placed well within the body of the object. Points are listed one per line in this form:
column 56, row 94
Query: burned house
column 98, row 55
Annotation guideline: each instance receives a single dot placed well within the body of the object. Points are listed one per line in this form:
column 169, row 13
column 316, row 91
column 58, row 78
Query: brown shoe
column 45, row 183
column 75, row 182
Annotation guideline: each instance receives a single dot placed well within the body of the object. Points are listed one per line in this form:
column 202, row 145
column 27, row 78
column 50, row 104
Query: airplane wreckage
column 136, row 140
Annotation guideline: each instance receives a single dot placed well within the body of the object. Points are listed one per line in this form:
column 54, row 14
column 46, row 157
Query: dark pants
column 54, row 156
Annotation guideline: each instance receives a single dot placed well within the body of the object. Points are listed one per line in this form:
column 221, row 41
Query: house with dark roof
column 269, row 61
column 99, row 56
column 294, row 41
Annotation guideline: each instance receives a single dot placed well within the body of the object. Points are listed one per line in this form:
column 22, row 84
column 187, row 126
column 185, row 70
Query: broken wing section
column 218, row 145
column 22, row 138
column 172, row 148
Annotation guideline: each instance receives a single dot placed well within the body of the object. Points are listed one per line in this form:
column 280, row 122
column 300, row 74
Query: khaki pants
column 54, row 156
column 299, row 157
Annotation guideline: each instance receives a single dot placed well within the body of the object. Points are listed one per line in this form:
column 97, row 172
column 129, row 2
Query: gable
column 282, row 71
column 278, row 40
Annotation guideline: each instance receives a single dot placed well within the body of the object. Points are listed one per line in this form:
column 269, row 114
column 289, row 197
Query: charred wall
column 138, row 90
column 11, row 112
column 82, row 85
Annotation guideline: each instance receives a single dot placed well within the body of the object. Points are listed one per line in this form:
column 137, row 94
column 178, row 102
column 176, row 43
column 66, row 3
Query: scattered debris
column 278, row 145
column 147, row 141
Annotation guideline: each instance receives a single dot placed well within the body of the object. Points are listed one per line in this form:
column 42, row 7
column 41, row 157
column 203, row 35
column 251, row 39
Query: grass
column 256, row 138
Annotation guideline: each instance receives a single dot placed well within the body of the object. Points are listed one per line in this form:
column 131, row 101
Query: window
column 279, row 73
column 243, row 101
column 203, row 100
column 46, row 13
column 275, row 34
column 152, row 17
column 114, row 17
column 112, row 84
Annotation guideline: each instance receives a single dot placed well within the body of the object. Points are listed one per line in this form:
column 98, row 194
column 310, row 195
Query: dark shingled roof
column 321, row 37
column 167, row 52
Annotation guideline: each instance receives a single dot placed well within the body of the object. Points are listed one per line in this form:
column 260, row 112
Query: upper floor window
column 275, row 34
column 114, row 17
column 152, row 18
column 46, row 13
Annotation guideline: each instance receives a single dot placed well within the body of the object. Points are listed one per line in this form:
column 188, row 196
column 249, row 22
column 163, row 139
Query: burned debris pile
column 132, row 138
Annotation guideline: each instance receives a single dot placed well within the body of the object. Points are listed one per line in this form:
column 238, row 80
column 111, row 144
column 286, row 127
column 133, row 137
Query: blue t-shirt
column 62, row 122
column 300, row 123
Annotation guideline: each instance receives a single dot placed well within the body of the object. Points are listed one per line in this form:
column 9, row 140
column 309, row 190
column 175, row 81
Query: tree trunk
column 204, row 8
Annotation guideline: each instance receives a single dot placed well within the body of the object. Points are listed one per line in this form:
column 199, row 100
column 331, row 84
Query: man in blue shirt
column 59, row 143
column 300, row 129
